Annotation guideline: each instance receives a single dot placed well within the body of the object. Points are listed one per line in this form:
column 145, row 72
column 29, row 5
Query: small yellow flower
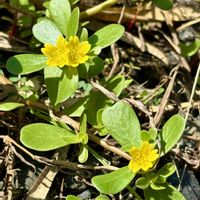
column 143, row 157
column 70, row 53
column 57, row 55
column 77, row 51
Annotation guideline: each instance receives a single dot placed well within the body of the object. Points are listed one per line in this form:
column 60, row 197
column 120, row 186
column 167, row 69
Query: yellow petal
column 74, row 41
column 84, row 47
column 83, row 59
column 146, row 166
column 134, row 167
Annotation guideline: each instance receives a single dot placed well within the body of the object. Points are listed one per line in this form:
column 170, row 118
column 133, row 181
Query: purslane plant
column 145, row 148
column 67, row 54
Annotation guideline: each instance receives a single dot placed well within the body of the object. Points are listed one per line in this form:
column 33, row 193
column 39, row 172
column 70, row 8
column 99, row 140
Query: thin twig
column 67, row 164
column 114, row 49
column 192, row 93
column 109, row 147
column 176, row 41
column 106, row 92
column 115, row 54
column 187, row 24
column 182, row 176
column 165, row 98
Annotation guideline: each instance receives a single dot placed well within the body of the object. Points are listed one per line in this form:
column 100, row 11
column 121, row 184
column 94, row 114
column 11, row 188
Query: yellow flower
column 57, row 55
column 77, row 51
column 70, row 53
column 143, row 157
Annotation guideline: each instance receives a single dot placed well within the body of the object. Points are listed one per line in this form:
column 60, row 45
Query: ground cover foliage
column 99, row 100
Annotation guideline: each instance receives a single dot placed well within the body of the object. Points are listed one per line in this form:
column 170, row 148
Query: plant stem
column 134, row 193
column 76, row 125
column 93, row 11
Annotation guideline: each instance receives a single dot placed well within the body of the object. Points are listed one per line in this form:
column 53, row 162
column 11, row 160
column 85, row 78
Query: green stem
column 134, row 193
column 93, row 11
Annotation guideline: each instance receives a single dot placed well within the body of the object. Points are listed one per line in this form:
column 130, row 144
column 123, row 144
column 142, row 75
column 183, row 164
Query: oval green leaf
column 171, row 133
column 61, row 83
column 122, row 123
column 191, row 49
column 157, row 186
column 8, row 106
column 167, row 170
column 83, row 34
column 163, row 4
column 102, row 197
column 60, row 11
column 83, row 154
column 46, row 31
column 72, row 197
column 169, row 193
column 117, row 83
column 45, row 137
column 26, row 63
column 113, row 182
column 107, row 35
column 93, row 67
column 142, row 182
column 72, row 27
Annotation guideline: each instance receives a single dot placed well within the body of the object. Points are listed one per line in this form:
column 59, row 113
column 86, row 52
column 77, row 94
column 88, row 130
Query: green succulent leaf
column 149, row 135
column 171, row 133
column 72, row 197
column 61, row 83
column 107, row 35
column 142, row 182
column 96, row 101
column 83, row 123
column 191, row 49
column 101, row 129
column 169, row 193
column 102, row 197
column 8, row 106
column 60, row 11
column 77, row 108
column 83, row 154
column 167, row 170
column 26, row 63
column 93, row 67
column 163, row 4
column 72, row 26
column 113, row 182
column 157, row 186
column 122, row 123
column 46, row 31
column 117, row 84
column 83, row 34
column 45, row 137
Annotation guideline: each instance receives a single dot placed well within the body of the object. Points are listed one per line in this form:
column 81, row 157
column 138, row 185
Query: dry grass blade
column 150, row 13
column 133, row 40
column 165, row 98
column 42, row 185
